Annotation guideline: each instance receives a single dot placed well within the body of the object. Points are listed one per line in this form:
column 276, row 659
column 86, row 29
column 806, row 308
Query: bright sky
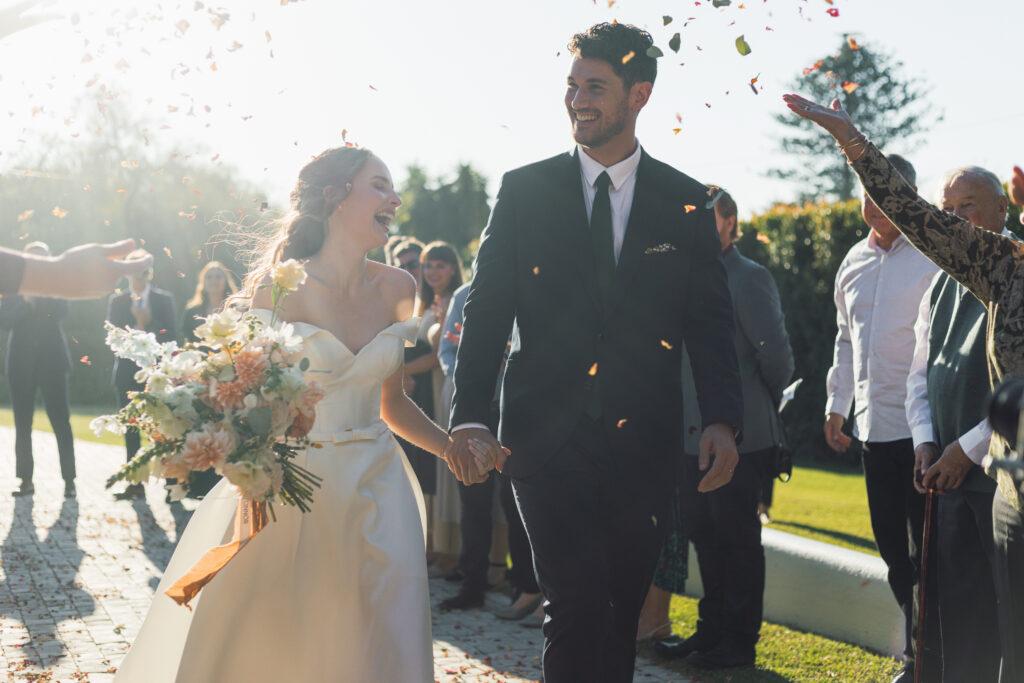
column 437, row 83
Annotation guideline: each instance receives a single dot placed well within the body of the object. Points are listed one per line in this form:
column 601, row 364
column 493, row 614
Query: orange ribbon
column 250, row 518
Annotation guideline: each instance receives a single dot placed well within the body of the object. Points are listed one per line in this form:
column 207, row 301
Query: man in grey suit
column 724, row 524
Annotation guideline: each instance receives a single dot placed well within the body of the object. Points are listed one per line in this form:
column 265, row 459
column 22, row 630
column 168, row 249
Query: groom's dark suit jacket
column 536, row 269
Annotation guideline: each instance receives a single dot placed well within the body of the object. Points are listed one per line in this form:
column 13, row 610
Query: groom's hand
column 460, row 457
column 719, row 441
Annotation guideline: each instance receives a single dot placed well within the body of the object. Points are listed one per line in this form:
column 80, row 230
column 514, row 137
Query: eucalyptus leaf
column 721, row 3
column 675, row 42
column 742, row 46
column 666, row 20
column 654, row 51
column 259, row 421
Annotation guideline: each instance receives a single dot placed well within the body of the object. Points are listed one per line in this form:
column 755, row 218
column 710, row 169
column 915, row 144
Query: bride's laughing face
column 368, row 210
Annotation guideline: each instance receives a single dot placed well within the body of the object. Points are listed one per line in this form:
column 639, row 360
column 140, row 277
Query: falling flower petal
column 25, row 215
column 665, row 345
column 677, row 131
column 666, row 20
column 849, row 86
column 852, row 42
column 675, row 42
column 742, row 46
column 59, row 212
column 593, row 370
column 628, row 56
column 621, row 423
column 833, row 11
column 763, row 238
column 536, row 270
column 689, row 207
column 84, row 360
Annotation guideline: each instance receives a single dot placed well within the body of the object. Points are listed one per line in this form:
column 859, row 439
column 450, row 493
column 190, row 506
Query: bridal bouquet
column 236, row 402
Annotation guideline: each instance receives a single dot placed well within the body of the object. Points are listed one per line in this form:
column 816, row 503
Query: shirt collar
column 618, row 174
column 873, row 243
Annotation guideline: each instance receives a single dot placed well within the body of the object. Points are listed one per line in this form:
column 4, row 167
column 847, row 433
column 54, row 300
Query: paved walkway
column 76, row 578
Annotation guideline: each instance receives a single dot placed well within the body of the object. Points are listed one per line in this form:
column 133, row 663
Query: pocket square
column 660, row 249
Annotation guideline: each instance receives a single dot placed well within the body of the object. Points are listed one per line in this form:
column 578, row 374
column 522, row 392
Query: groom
column 602, row 261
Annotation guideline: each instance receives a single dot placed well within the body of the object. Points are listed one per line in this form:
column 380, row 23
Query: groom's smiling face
column 598, row 102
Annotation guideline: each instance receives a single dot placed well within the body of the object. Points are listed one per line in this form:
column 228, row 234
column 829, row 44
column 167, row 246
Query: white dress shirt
column 620, row 190
column 620, row 193
column 919, row 414
column 877, row 295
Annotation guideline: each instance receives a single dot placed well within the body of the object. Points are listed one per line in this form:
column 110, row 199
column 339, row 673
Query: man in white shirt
column 946, row 394
column 878, row 292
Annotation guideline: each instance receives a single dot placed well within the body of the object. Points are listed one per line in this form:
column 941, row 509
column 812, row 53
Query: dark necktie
column 602, row 236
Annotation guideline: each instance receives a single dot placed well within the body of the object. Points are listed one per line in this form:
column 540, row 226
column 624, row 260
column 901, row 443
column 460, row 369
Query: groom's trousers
column 596, row 517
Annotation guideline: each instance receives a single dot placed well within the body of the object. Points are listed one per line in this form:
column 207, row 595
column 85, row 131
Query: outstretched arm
column 982, row 261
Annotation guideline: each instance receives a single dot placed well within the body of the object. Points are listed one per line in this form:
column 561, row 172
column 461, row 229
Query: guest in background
column 38, row 358
column 481, row 544
column 946, row 394
column 405, row 254
column 215, row 284
column 141, row 307
column 441, row 276
column 724, row 524
column 878, row 291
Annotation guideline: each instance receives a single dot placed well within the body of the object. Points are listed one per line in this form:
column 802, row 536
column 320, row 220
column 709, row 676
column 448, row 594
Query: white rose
column 140, row 347
column 250, row 479
column 184, row 365
column 288, row 275
column 222, row 328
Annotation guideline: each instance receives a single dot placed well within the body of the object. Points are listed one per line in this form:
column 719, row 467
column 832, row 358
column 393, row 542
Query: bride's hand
column 833, row 119
column 488, row 458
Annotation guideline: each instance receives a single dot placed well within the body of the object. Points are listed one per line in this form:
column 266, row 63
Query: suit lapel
column 632, row 245
column 569, row 195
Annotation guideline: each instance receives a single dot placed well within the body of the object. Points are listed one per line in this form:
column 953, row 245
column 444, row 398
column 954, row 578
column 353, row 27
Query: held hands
column 834, row 436
column 924, row 456
column 833, row 119
column 718, row 440
column 472, row 453
column 950, row 471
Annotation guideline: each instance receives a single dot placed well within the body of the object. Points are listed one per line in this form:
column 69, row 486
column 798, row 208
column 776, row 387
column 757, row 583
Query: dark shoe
column 511, row 613
column 723, row 656
column 133, row 492
column 69, row 490
column 905, row 676
column 675, row 647
column 464, row 599
column 455, row 576
column 27, row 488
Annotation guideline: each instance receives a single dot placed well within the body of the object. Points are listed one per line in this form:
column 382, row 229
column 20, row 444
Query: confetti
column 753, row 83
column 833, row 11
column 677, row 131
column 742, row 46
column 763, row 238
column 84, row 360
column 665, row 345
column 675, row 42
column 130, row 163
column 536, row 270
column 182, row 26
column 852, row 42
column 689, row 208
column 849, row 86
column 593, row 370
column 628, row 56
column 679, row 117
column 653, row 51
column 721, row 3
column 167, row 253
column 25, row 215
column 666, row 20
column 59, row 212
column 621, row 423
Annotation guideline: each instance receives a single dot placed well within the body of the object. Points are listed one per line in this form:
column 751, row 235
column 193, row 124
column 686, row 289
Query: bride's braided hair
column 323, row 183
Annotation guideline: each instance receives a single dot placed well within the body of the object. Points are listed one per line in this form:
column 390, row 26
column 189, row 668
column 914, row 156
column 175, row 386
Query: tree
column 890, row 109
column 453, row 210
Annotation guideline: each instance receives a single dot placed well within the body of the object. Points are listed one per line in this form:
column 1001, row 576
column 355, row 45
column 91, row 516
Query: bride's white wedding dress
column 336, row 594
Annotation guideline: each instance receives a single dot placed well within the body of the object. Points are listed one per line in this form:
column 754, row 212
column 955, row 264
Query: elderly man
column 878, row 293
column 946, row 394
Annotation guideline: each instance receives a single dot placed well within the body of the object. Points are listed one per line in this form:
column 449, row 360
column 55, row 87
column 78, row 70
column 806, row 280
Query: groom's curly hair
column 623, row 46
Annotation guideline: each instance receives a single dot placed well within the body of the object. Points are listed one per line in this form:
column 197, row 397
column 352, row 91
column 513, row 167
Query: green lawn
column 827, row 504
column 785, row 655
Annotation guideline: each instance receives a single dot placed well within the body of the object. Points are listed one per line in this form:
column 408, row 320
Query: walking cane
column 922, row 590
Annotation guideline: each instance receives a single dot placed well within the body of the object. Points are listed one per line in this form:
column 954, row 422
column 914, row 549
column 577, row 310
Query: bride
column 338, row 593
